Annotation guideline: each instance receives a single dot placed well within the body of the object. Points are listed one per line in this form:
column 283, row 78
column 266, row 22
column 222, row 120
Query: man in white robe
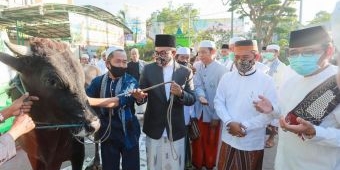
column 280, row 73
column 243, row 133
column 309, row 139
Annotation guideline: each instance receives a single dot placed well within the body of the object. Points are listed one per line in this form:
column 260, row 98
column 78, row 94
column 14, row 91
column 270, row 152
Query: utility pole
column 232, row 22
column 300, row 15
column 189, row 5
column 232, row 17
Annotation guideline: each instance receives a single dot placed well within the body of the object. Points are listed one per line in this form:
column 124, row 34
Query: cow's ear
column 14, row 62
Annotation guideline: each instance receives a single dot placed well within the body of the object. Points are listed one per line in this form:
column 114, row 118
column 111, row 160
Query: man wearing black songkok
column 309, row 133
column 164, row 118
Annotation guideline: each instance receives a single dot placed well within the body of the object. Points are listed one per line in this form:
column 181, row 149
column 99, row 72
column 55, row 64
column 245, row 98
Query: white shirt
column 234, row 103
column 167, row 76
column 102, row 67
column 319, row 153
column 188, row 112
column 280, row 75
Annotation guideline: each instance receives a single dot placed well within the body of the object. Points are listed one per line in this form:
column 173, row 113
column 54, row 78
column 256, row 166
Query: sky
column 208, row 8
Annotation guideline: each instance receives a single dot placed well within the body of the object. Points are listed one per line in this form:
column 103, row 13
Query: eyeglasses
column 161, row 53
column 306, row 52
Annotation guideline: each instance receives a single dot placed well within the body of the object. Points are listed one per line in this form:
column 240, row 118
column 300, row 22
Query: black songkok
column 165, row 40
column 225, row 46
column 309, row 36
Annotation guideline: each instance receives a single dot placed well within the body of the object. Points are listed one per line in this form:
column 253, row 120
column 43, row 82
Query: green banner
column 5, row 102
column 182, row 41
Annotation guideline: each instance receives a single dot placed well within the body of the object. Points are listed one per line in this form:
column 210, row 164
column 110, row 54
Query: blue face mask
column 269, row 56
column 305, row 65
column 232, row 56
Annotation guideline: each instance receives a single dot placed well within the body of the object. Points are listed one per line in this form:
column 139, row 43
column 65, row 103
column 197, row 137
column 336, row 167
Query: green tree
column 220, row 36
column 320, row 18
column 265, row 15
column 145, row 51
column 174, row 18
column 121, row 16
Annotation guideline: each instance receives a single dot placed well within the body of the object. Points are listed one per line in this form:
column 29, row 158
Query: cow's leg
column 78, row 153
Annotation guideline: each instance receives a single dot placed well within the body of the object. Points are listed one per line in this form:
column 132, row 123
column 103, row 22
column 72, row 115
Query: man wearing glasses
column 164, row 118
column 309, row 133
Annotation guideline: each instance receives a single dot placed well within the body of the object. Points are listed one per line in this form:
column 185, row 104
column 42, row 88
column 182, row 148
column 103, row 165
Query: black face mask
column 182, row 63
column 245, row 65
column 117, row 71
column 163, row 61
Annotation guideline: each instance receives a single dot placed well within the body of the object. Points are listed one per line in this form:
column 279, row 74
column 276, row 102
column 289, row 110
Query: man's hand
column 304, row 127
column 203, row 100
column 236, row 129
column 263, row 105
column 214, row 123
column 138, row 94
column 21, row 125
column 176, row 89
column 22, row 104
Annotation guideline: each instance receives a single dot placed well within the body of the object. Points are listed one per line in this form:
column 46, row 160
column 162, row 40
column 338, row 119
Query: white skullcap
column 110, row 50
column 234, row 39
column 207, row 43
column 103, row 53
column 183, row 50
column 273, row 47
column 84, row 56
column 335, row 23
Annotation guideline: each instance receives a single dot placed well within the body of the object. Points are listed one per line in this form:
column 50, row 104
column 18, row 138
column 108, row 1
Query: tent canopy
column 51, row 20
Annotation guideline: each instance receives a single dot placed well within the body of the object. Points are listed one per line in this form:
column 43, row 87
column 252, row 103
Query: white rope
column 171, row 139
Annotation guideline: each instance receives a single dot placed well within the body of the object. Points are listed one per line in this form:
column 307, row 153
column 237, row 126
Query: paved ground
column 268, row 162
column 89, row 152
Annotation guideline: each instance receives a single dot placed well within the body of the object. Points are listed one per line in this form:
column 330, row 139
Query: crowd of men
column 238, row 98
column 235, row 99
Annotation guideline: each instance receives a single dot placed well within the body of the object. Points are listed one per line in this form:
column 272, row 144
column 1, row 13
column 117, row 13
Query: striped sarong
column 233, row 159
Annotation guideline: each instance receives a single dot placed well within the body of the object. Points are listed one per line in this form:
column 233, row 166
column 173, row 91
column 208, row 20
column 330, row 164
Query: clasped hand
column 236, row 129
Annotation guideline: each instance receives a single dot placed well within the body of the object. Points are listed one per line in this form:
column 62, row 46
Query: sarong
column 233, row 159
column 204, row 149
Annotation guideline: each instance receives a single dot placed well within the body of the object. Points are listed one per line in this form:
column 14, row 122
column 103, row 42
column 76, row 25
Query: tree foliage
column 265, row 15
column 174, row 18
column 121, row 16
column 220, row 36
column 320, row 18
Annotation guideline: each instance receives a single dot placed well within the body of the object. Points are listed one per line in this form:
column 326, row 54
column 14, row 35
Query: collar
column 170, row 64
column 249, row 73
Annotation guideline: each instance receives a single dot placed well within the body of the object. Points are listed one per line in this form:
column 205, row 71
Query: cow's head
column 49, row 70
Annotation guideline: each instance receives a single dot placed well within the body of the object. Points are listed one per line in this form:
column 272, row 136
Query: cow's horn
column 19, row 49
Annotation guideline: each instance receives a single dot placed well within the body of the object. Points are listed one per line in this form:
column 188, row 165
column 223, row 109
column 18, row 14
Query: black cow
column 49, row 70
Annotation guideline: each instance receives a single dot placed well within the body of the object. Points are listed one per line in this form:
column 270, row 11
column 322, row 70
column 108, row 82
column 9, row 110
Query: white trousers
column 162, row 156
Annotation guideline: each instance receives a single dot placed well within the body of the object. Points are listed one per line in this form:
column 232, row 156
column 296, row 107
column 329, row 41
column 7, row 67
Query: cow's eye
column 53, row 82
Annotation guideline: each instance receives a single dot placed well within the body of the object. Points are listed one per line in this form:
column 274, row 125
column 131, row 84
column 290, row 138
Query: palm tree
column 121, row 16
